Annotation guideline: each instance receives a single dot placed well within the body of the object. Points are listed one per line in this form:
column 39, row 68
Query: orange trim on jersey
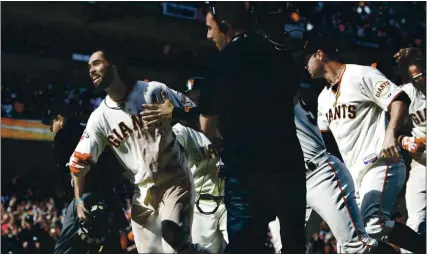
column 84, row 157
column 382, row 196
column 392, row 100
column 324, row 131
column 346, row 206
column 339, row 79
column 73, row 168
column 129, row 92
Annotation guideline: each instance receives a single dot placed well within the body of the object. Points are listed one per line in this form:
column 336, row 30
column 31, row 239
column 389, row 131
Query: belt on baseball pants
column 318, row 160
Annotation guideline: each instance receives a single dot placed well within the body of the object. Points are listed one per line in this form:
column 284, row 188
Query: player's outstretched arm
column 79, row 184
column 90, row 146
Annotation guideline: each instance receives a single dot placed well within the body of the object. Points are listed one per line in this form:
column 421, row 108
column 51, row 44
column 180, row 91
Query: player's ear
column 61, row 120
column 320, row 54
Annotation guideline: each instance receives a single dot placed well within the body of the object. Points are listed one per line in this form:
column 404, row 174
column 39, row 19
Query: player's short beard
column 107, row 79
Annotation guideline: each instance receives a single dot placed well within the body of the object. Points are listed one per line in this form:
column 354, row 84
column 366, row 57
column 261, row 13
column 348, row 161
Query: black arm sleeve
column 188, row 117
column 403, row 97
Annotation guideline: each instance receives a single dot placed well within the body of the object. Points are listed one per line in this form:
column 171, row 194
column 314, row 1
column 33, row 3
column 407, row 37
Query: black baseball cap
column 60, row 108
column 195, row 83
column 327, row 44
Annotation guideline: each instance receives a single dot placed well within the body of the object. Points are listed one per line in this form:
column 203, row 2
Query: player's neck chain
column 337, row 83
column 122, row 101
column 337, row 77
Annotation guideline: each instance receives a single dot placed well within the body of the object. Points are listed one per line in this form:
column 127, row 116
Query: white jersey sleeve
column 177, row 99
column 181, row 135
column 378, row 88
column 91, row 145
column 417, row 110
column 322, row 113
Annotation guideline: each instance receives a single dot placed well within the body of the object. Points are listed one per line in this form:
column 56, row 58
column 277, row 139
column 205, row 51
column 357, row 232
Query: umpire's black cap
column 321, row 42
column 195, row 83
column 60, row 108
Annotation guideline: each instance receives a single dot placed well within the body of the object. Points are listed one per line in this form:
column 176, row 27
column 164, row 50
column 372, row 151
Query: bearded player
column 326, row 177
column 164, row 191
column 210, row 217
column 354, row 107
column 412, row 64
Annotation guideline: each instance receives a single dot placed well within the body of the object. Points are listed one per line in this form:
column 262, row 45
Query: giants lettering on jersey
column 419, row 116
column 125, row 131
column 342, row 112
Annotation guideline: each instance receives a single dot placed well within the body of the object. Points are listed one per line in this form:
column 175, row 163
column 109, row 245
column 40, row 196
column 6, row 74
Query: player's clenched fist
column 412, row 144
column 390, row 147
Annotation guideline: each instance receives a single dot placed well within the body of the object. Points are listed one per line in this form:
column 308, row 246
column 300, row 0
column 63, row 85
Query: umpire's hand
column 82, row 212
column 154, row 114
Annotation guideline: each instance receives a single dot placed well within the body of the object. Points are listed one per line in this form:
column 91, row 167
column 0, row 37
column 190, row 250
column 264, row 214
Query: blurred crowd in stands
column 391, row 24
column 387, row 25
column 28, row 99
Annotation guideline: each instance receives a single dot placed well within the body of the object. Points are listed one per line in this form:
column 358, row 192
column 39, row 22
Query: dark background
column 162, row 41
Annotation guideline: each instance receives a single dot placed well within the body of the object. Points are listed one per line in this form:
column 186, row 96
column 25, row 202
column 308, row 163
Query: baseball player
column 330, row 191
column 256, row 165
column 412, row 63
column 164, row 190
column 354, row 108
column 210, row 217
column 67, row 129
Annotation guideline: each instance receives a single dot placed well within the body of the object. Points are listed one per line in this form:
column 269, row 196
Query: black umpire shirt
column 102, row 176
column 251, row 85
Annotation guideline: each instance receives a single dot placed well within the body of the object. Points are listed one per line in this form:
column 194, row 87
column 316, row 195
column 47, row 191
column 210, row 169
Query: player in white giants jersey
column 354, row 108
column 330, row 191
column 163, row 201
column 210, row 224
column 412, row 64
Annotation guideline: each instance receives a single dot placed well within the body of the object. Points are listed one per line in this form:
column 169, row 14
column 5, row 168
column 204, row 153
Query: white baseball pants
column 416, row 197
column 377, row 195
column 162, row 215
column 331, row 193
column 210, row 230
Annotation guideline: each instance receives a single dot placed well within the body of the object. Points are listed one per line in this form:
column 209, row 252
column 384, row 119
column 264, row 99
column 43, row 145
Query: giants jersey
column 202, row 159
column 417, row 110
column 357, row 115
column 308, row 133
column 148, row 155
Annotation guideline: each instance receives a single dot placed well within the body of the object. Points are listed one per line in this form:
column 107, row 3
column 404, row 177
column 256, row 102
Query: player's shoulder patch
column 85, row 135
column 185, row 101
column 381, row 88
